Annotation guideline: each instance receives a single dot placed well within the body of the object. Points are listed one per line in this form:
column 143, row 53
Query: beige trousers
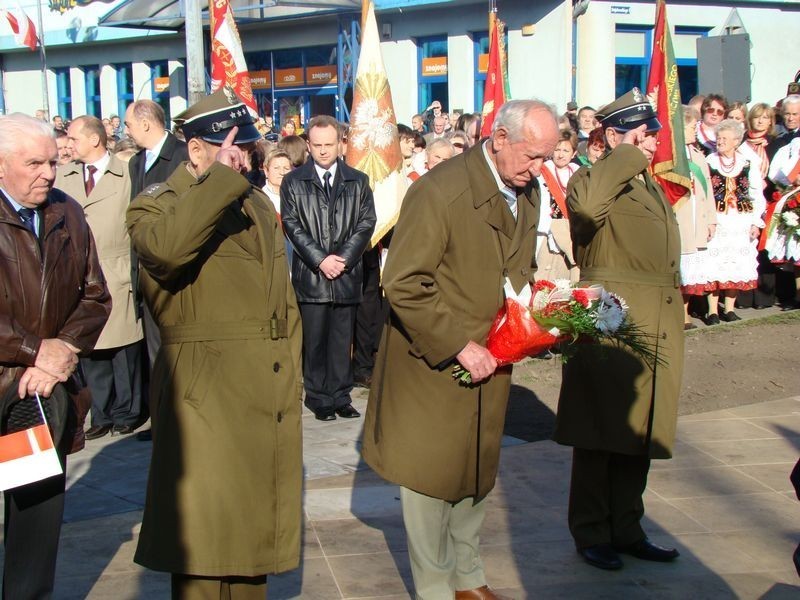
column 443, row 544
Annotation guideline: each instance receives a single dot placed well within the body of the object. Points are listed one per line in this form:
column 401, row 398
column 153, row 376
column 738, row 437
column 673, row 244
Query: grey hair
column 731, row 125
column 440, row 143
column 511, row 116
column 790, row 99
column 18, row 126
column 461, row 136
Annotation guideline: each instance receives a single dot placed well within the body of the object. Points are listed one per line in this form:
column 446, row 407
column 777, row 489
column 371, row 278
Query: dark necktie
column 28, row 218
column 327, row 184
column 90, row 180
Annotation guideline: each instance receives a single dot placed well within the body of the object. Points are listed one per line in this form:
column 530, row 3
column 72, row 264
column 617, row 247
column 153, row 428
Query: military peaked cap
column 212, row 118
column 628, row 112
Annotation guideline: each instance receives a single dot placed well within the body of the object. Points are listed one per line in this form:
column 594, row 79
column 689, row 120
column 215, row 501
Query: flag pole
column 43, row 58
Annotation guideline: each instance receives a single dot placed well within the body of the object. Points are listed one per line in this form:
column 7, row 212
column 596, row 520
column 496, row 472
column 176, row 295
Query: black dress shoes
column 123, row 430
column 325, row 414
column 348, row 412
column 730, row 317
column 646, row 550
column 602, row 556
column 97, row 431
column 712, row 320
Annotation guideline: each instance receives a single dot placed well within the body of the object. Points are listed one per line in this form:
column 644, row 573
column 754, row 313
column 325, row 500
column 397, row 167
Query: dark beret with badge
column 628, row 112
column 212, row 118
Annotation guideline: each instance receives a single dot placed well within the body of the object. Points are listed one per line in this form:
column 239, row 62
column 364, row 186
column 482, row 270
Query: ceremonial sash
column 555, row 190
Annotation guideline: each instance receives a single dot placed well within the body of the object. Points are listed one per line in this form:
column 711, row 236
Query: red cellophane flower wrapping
column 515, row 334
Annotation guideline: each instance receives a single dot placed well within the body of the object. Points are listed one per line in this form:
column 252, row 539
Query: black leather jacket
column 317, row 229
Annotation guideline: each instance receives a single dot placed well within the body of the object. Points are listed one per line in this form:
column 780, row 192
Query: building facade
column 432, row 49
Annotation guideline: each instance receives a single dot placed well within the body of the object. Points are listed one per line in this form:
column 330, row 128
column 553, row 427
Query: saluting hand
column 635, row 136
column 231, row 155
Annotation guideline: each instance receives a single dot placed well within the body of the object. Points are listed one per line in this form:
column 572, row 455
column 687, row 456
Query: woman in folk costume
column 553, row 244
column 760, row 124
column 740, row 203
column 697, row 221
column 712, row 112
column 783, row 245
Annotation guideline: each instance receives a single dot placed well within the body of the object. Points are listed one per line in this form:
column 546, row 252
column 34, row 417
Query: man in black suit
column 160, row 154
column 328, row 215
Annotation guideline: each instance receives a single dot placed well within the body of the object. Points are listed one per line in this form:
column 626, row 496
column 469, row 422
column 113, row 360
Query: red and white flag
column 22, row 26
column 27, row 456
column 227, row 57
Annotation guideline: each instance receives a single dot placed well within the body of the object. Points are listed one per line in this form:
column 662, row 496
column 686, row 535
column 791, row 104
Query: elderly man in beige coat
column 101, row 184
column 464, row 228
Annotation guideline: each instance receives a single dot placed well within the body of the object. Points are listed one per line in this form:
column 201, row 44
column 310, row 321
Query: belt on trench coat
column 274, row 329
column 672, row 279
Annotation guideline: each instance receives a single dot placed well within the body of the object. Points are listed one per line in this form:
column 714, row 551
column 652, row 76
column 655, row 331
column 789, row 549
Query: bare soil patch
column 725, row 366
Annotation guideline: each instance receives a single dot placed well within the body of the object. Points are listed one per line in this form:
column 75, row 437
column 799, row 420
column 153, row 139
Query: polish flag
column 22, row 26
column 27, row 456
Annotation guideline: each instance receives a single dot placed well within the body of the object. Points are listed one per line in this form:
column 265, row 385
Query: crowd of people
column 224, row 217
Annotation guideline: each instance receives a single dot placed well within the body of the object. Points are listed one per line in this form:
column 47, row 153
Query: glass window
column 480, row 42
column 320, row 56
column 124, row 87
column 288, row 59
column 64, row 93
column 432, row 60
column 628, row 77
column 159, row 78
column 92, row 77
column 684, row 42
column 633, row 45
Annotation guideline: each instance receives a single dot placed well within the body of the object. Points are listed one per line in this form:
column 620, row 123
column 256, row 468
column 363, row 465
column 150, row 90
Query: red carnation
column 543, row 285
column 791, row 203
column 581, row 297
column 776, row 196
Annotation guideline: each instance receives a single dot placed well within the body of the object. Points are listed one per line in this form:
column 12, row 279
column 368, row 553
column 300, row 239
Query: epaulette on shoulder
column 154, row 190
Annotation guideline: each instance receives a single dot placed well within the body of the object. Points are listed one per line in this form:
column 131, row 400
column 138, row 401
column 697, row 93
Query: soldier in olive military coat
column 617, row 409
column 223, row 504
column 464, row 227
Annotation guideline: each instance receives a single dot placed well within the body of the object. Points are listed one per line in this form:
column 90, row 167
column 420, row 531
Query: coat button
column 663, row 336
column 276, row 367
column 669, row 299
column 672, row 264
column 279, row 416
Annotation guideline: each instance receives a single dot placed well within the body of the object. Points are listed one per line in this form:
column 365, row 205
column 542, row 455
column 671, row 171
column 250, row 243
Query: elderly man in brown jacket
column 54, row 306
column 464, row 228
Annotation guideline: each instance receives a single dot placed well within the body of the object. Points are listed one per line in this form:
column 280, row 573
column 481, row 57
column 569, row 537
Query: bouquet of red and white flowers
column 783, row 230
column 549, row 313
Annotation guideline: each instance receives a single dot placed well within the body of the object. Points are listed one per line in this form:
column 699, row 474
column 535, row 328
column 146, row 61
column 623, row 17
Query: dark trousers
column 605, row 497
column 327, row 369
column 370, row 316
column 33, row 516
column 194, row 587
column 114, row 377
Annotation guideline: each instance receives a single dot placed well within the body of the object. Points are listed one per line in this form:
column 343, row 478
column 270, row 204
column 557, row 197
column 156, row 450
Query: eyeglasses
column 715, row 111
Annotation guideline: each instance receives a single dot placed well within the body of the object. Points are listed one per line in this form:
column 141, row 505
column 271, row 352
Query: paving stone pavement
column 725, row 501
